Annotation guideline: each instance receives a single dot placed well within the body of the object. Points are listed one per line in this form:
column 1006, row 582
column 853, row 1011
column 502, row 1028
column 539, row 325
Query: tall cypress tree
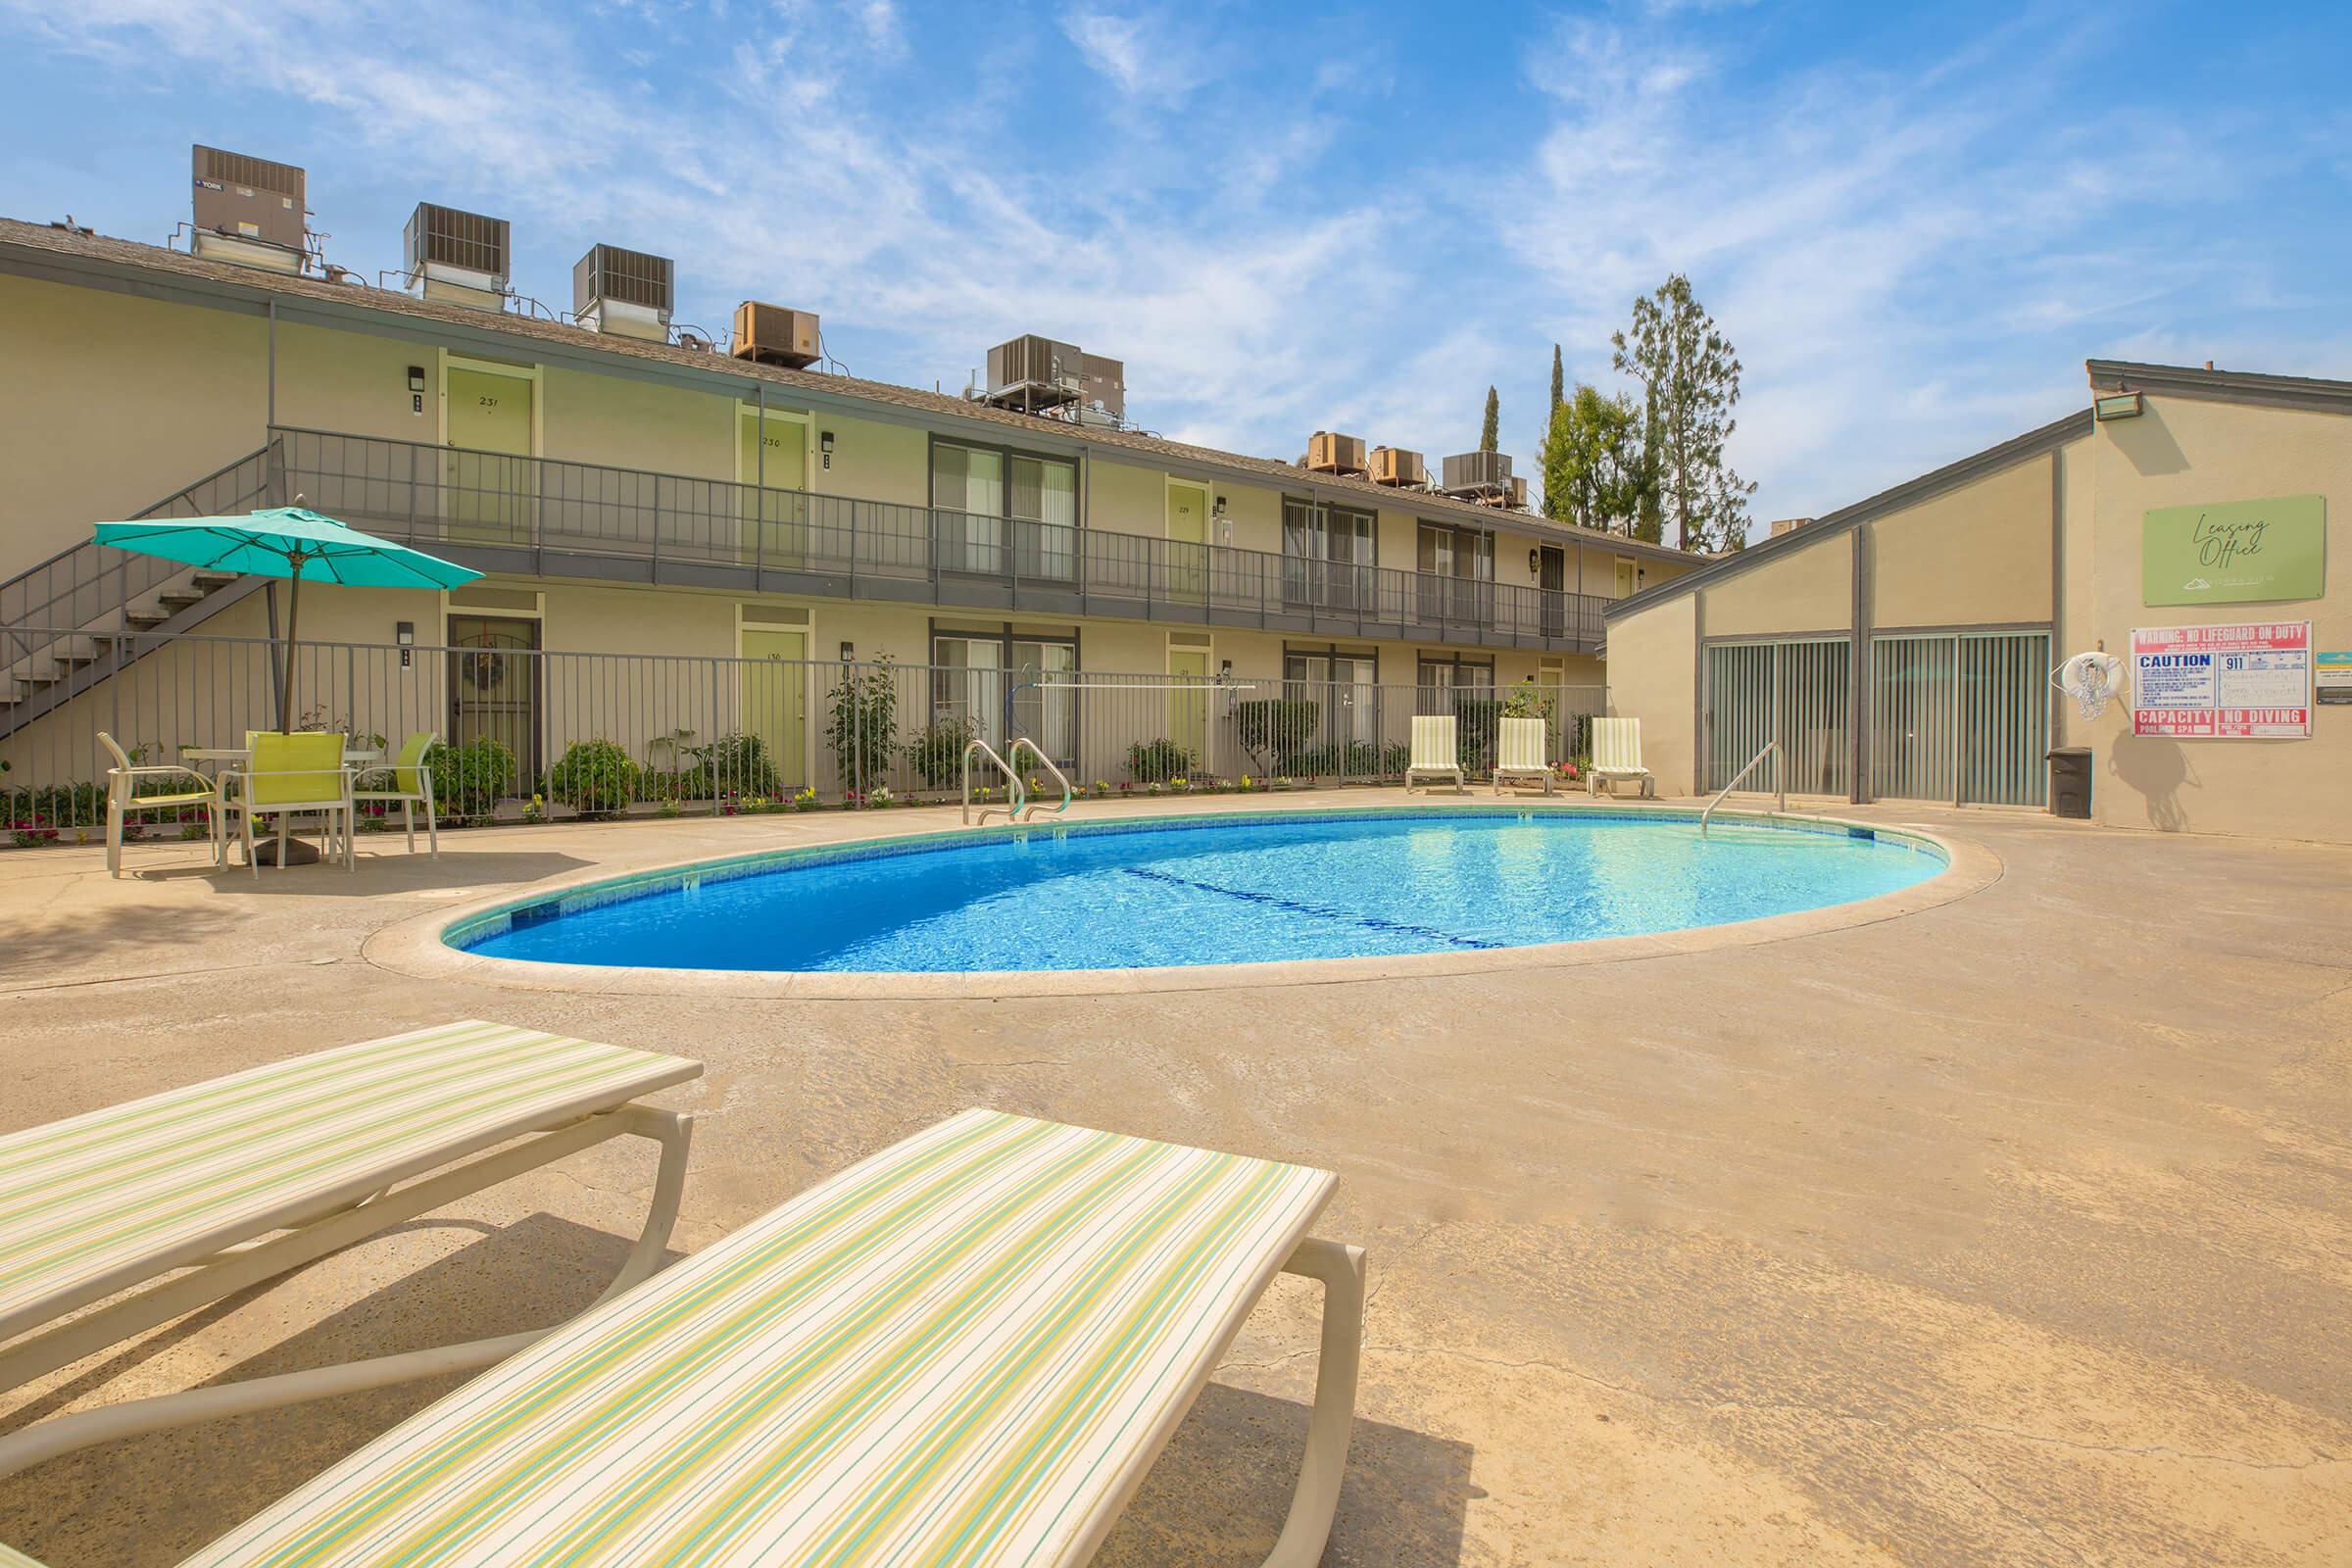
column 1490, row 436
column 1559, row 388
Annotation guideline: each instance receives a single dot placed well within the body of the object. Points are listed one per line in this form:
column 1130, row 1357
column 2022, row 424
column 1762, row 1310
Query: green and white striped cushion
column 92, row 1205
column 966, row 1349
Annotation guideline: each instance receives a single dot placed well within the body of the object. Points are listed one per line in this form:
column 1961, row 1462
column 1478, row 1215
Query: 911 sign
column 2242, row 682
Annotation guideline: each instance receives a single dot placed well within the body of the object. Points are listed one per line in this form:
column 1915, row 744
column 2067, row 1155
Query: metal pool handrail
column 1029, row 808
column 1781, row 789
column 1013, row 793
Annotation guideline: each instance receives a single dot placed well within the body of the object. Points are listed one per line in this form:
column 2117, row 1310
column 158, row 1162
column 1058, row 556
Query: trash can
column 2069, row 781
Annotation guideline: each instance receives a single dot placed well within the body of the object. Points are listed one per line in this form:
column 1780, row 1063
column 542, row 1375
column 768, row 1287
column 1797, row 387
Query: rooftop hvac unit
column 459, row 256
column 1035, row 373
column 1519, row 492
column 624, row 292
column 772, row 334
column 1328, row 452
column 1103, row 387
column 1395, row 467
column 249, row 210
column 1478, row 472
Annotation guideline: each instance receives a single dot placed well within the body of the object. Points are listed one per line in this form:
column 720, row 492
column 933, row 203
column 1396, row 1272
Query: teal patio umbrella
column 292, row 542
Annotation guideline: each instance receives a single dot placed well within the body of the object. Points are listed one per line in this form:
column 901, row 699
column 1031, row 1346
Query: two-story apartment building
column 642, row 497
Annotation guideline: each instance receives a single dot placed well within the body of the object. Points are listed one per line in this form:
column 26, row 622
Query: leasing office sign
column 2249, row 682
column 2234, row 552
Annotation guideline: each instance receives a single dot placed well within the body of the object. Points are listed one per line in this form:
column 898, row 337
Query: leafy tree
column 1691, row 382
column 1593, row 462
column 1557, row 385
column 1489, row 435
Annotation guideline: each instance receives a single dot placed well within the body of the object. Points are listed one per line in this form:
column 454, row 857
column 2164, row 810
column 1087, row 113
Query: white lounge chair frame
column 1617, row 755
column 301, row 1230
column 123, row 799
column 1520, row 747
column 1435, row 751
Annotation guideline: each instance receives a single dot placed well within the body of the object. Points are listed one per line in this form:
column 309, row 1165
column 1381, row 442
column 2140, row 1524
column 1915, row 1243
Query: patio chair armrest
column 145, row 772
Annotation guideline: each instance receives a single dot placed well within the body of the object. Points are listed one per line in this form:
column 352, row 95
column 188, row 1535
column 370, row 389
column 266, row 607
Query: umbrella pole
column 286, row 690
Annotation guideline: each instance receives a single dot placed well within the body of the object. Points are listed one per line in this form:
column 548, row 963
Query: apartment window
column 1458, row 573
column 1343, row 687
column 972, row 674
column 1448, row 674
column 1327, row 556
column 1002, row 511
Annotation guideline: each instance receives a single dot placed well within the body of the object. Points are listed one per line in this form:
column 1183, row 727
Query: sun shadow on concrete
column 380, row 873
column 1220, row 1492
column 33, row 952
column 155, row 1499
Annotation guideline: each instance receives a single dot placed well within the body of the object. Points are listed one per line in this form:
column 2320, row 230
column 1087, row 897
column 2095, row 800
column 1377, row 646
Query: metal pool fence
column 606, row 733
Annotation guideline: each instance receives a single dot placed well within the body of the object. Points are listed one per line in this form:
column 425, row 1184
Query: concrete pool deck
column 2015, row 1229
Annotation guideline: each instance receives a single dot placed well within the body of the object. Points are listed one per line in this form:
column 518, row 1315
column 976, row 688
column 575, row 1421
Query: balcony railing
column 548, row 518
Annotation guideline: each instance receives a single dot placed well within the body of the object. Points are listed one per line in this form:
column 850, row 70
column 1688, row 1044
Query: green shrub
column 1353, row 759
column 732, row 765
column 937, row 754
column 864, row 726
column 595, row 778
column 469, row 780
column 1158, row 761
column 1272, row 730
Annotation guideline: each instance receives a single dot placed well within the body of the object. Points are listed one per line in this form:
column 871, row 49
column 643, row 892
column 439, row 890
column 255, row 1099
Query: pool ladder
column 1018, row 806
column 1780, row 786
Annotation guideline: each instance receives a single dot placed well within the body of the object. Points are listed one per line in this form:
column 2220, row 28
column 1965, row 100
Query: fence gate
column 1791, row 692
column 1962, row 717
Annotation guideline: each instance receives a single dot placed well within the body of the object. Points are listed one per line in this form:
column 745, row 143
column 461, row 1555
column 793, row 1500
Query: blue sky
column 1914, row 222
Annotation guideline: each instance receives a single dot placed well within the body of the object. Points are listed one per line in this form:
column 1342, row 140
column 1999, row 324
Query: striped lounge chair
column 229, row 1183
column 1434, row 754
column 1617, row 754
column 1520, row 745
column 967, row 1348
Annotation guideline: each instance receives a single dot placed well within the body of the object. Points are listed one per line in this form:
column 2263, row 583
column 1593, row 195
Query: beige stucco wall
column 1805, row 590
column 1979, row 554
column 1653, row 677
column 2178, row 453
column 1123, row 498
column 108, row 402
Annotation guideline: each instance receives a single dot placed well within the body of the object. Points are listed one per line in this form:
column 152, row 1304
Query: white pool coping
column 417, row 946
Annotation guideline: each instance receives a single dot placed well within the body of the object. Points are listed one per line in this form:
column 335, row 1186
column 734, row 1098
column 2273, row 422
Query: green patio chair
column 412, row 787
column 290, row 776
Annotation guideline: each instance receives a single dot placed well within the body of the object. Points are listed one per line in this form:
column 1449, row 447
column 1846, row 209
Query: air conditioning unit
column 774, row 334
column 1035, row 373
column 1103, row 387
column 1328, row 452
column 1394, row 466
column 1477, row 473
column 458, row 257
column 1518, row 492
column 249, row 210
column 624, row 292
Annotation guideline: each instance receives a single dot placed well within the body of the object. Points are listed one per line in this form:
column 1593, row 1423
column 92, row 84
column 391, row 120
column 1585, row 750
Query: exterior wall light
column 2121, row 406
column 848, row 653
column 824, row 444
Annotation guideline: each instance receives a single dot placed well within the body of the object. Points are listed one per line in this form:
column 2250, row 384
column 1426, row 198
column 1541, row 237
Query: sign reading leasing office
column 2236, row 552
column 2222, row 682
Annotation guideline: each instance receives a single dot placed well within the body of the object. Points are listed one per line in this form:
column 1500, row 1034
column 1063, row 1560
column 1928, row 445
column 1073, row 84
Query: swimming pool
column 1205, row 890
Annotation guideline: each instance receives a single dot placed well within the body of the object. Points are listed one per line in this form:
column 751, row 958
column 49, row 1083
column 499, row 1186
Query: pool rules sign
column 2244, row 682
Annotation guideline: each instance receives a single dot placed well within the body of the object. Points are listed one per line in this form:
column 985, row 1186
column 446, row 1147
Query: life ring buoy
column 2092, row 680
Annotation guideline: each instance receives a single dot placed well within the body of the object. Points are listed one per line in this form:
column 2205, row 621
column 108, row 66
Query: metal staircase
column 72, row 621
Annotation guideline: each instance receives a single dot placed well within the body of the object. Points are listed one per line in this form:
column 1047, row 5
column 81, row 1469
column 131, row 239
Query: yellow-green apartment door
column 775, row 699
column 778, row 460
column 489, row 476
column 1187, row 541
column 1188, row 710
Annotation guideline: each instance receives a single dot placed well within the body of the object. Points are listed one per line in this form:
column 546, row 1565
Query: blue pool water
column 1204, row 890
